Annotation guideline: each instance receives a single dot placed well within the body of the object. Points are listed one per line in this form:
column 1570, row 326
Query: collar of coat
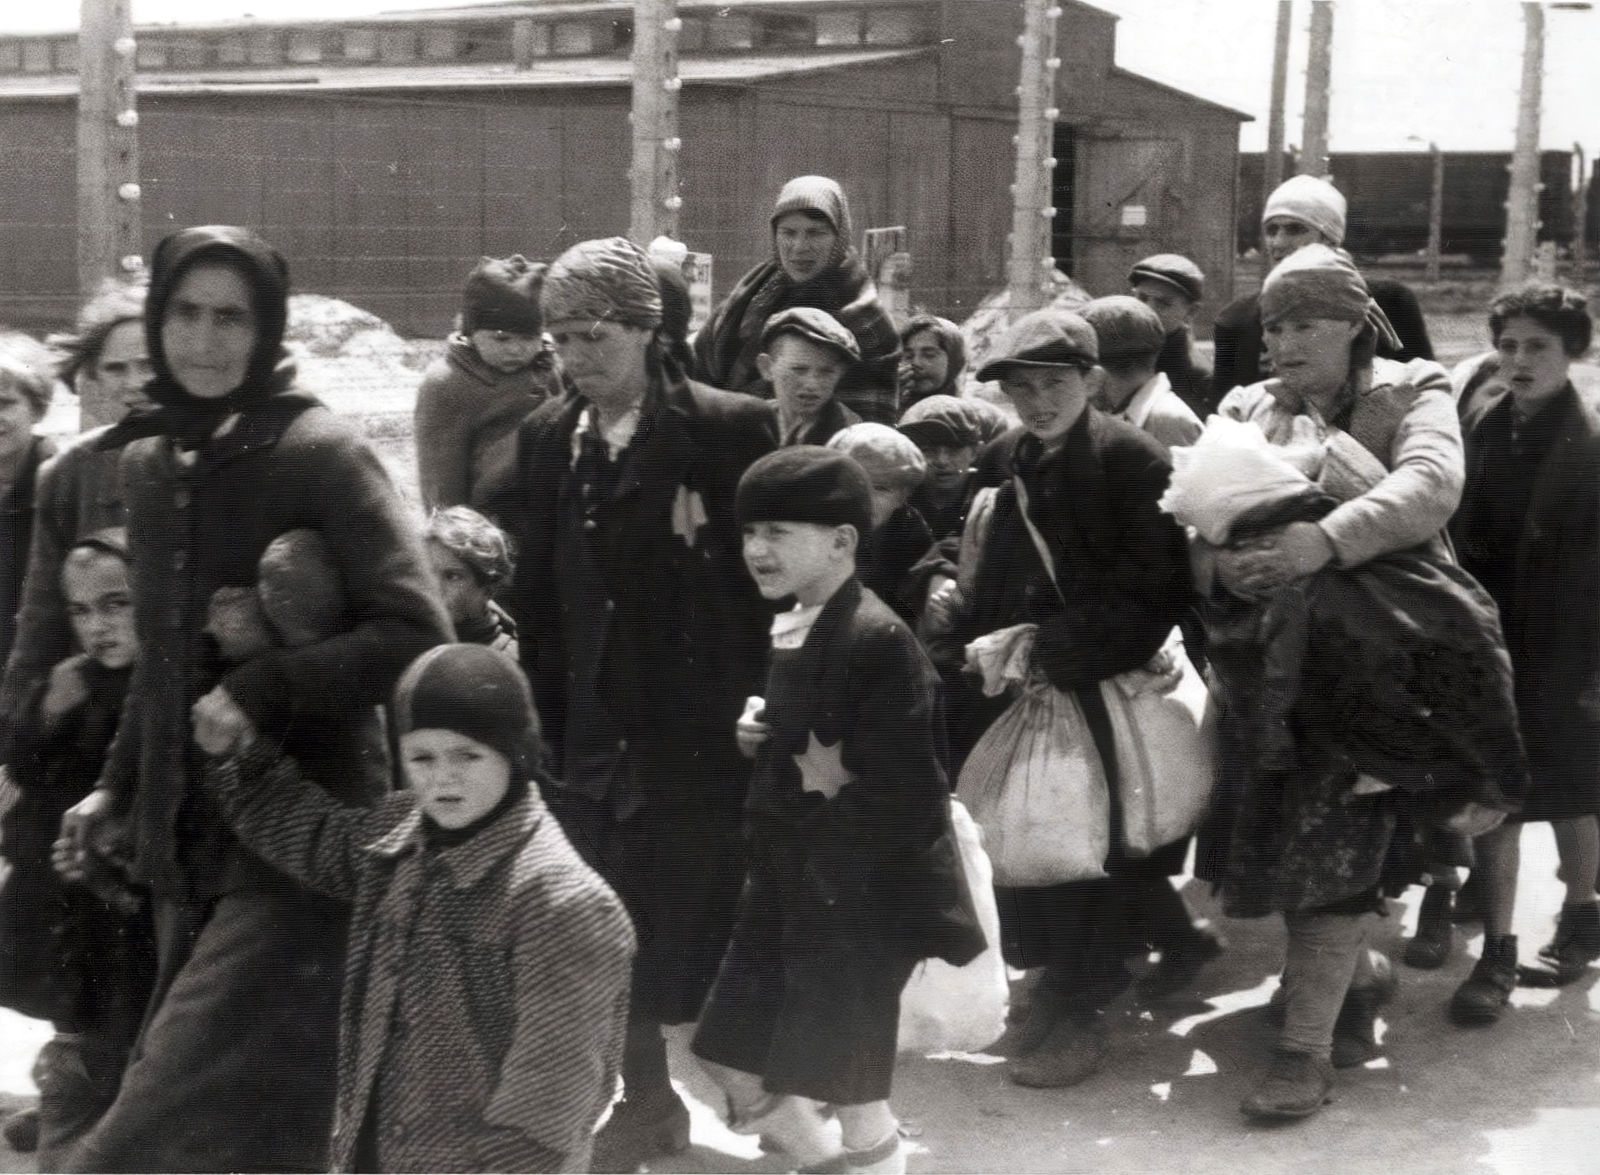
column 824, row 669
column 470, row 862
column 661, row 456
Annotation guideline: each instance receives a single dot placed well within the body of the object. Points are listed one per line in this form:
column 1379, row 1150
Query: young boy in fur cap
column 499, row 367
column 486, row 992
column 847, row 802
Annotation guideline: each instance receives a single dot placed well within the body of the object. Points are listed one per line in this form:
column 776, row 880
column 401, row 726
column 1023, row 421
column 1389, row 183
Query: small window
column 693, row 37
column 230, row 50
column 839, row 28
column 529, row 39
column 781, row 30
column 442, row 43
column 895, row 26
column 67, row 56
column 360, row 44
column 732, row 31
column 10, row 56
column 574, row 38
column 398, row 44
column 305, row 45
column 621, row 34
column 36, row 56
column 152, row 54
column 264, row 47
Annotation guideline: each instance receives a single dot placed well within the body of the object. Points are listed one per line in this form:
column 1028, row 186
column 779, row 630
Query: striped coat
column 486, row 986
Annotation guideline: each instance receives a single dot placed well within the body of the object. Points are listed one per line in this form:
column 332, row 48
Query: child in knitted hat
column 848, row 798
column 499, row 367
column 484, row 1004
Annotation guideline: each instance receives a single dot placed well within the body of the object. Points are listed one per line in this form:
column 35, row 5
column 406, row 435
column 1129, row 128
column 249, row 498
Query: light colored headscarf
column 1319, row 282
column 1313, row 202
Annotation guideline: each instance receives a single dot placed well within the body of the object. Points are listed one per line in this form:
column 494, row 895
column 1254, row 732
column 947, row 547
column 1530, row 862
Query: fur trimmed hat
column 806, row 483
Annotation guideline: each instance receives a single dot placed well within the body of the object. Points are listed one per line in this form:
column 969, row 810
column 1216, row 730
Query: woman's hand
column 66, row 691
column 80, row 827
column 945, row 603
column 751, row 731
column 220, row 727
column 1279, row 557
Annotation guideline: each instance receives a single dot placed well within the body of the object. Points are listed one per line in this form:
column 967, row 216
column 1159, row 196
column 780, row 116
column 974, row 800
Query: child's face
column 886, row 499
column 796, row 558
column 803, row 374
column 464, row 597
column 505, row 350
column 456, row 779
column 235, row 620
column 948, row 464
column 100, row 608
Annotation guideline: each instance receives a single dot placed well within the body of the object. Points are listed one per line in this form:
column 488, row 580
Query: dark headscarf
column 179, row 414
column 948, row 335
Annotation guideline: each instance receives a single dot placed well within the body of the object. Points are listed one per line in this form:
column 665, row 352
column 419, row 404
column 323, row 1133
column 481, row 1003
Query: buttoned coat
column 486, row 985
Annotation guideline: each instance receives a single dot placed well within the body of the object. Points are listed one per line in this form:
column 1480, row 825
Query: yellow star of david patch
column 821, row 767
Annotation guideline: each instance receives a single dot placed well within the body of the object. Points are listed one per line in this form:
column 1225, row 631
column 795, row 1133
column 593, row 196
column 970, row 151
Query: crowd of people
column 345, row 839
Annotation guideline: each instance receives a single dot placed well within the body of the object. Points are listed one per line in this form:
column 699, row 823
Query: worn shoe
column 1027, row 1027
column 1072, row 1052
column 1430, row 946
column 21, row 1131
column 1297, row 1085
column 1483, row 996
column 1178, row 966
column 639, row 1131
column 1575, row 946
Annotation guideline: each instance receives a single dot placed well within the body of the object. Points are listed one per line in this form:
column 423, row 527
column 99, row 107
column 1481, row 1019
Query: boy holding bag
column 853, row 876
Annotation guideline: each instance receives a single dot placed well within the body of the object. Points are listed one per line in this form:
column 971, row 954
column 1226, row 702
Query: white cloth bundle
column 1233, row 469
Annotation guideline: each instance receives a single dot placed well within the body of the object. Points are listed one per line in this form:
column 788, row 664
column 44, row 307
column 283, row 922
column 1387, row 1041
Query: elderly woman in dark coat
column 235, row 1070
column 813, row 263
column 1529, row 529
column 1120, row 581
column 642, row 635
column 1361, row 673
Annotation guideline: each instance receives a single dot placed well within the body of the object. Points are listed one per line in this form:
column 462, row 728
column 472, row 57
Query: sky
column 1404, row 71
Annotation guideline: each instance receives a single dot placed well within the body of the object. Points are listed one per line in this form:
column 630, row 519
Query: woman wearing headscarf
column 1529, row 528
column 933, row 358
column 642, row 635
column 1363, row 677
column 235, row 1067
column 1305, row 210
column 813, row 263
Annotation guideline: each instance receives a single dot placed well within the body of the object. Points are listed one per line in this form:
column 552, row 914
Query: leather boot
column 1567, row 956
column 1483, row 996
column 1355, row 1032
column 640, row 1130
column 1072, row 1052
column 1297, row 1085
column 1027, row 1027
column 1430, row 946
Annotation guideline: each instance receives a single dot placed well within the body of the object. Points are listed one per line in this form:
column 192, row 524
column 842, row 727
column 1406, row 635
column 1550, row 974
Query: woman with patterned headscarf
column 642, row 635
column 813, row 263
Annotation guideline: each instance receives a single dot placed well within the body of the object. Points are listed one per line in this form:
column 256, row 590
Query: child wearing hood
column 499, row 367
column 486, row 991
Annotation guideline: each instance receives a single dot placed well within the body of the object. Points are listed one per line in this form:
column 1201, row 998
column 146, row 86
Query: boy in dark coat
column 900, row 539
column 849, row 800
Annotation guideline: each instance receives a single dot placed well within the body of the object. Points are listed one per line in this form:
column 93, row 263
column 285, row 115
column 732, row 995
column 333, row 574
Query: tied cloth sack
column 1034, row 781
column 945, row 1008
column 1163, row 738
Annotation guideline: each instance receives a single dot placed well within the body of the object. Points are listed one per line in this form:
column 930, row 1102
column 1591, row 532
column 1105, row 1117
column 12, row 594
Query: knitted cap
column 1124, row 328
column 819, row 194
column 806, row 483
column 1174, row 270
column 1319, row 282
column 942, row 420
column 605, row 280
column 1051, row 337
column 503, row 294
column 815, row 326
column 475, row 691
column 301, row 589
column 889, row 456
column 1313, row 202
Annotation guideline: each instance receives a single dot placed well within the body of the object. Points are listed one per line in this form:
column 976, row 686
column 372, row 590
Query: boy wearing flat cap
column 847, row 802
column 1173, row 286
column 805, row 353
column 1131, row 337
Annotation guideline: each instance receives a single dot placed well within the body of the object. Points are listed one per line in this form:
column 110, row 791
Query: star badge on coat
column 822, row 767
